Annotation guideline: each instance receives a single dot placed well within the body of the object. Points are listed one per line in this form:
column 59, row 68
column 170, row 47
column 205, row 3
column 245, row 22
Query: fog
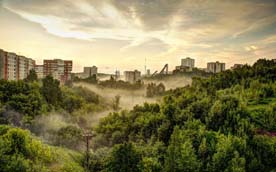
column 172, row 82
column 46, row 126
column 128, row 98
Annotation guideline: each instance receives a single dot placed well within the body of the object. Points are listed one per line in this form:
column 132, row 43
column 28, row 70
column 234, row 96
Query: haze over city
column 114, row 34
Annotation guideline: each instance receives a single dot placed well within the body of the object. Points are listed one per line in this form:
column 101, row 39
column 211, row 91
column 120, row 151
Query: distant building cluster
column 59, row 69
column 16, row 67
column 132, row 76
column 188, row 65
column 13, row 66
column 87, row 72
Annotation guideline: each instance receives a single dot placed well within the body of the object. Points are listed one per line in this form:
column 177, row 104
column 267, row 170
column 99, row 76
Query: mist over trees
column 221, row 123
column 225, row 122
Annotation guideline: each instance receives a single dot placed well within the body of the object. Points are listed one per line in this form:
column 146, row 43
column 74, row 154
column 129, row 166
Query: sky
column 129, row 34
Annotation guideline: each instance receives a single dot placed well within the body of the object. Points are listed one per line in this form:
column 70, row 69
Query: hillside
column 226, row 122
column 223, row 123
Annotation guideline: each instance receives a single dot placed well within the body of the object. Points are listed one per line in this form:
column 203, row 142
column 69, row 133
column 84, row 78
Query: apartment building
column 188, row 62
column 59, row 69
column 39, row 69
column 132, row 76
column 14, row 67
column 215, row 67
column 87, row 72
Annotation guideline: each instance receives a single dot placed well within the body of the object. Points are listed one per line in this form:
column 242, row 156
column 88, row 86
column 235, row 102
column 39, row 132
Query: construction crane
column 154, row 73
column 165, row 69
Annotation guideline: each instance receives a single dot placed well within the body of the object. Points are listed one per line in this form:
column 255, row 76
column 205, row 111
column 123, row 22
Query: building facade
column 87, row 72
column 90, row 71
column 132, row 76
column 181, row 69
column 3, row 67
column 188, row 62
column 59, row 69
column 215, row 67
column 39, row 69
column 14, row 67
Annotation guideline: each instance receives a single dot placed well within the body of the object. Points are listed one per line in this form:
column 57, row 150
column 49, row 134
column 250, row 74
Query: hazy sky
column 122, row 33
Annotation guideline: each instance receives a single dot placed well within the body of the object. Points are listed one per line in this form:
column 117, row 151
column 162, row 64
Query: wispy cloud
column 197, row 27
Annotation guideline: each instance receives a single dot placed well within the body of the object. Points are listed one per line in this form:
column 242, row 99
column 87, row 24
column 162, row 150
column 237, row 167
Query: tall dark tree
column 32, row 76
column 51, row 91
column 124, row 158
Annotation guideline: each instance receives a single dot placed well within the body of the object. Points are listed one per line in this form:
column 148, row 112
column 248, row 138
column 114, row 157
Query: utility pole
column 87, row 135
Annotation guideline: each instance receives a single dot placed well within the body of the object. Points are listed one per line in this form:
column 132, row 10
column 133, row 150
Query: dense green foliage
column 112, row 83
column 91, row 80
column 226, row 122
column 155, row 90
column 32, row 76
column 21, row 97
column 222, row 123
column 22, row 101
column 20, row 152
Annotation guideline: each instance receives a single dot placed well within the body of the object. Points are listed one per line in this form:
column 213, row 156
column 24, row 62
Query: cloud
column 175, row 27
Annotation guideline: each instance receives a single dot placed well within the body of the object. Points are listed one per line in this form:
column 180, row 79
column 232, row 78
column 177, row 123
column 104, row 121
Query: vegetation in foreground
column 226, row 122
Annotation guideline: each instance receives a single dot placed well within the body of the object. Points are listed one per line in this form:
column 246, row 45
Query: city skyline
column 116, row 34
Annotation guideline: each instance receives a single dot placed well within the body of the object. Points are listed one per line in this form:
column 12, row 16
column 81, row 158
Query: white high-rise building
column 188, row 62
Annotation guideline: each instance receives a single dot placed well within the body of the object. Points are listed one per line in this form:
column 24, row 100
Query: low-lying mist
column 48, row 125
column 128, row 98
column 172, row 82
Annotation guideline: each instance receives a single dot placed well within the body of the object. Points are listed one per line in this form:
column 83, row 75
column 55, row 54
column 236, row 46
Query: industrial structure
column 164, row 71
column 87, row 72
column 215, row 67
column 13, row 66
column 132, row 76
column 117, row 75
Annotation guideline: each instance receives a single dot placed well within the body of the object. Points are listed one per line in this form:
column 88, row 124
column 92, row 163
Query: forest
column 223, row 122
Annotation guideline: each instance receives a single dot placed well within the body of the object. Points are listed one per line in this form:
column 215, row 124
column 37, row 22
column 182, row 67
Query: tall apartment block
column 215, row 67
column 87, row 72
column 39, row 69
column 187, row 65
column 59, row 69
column 132, row 76
column 14, row 67
column 188, row 62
